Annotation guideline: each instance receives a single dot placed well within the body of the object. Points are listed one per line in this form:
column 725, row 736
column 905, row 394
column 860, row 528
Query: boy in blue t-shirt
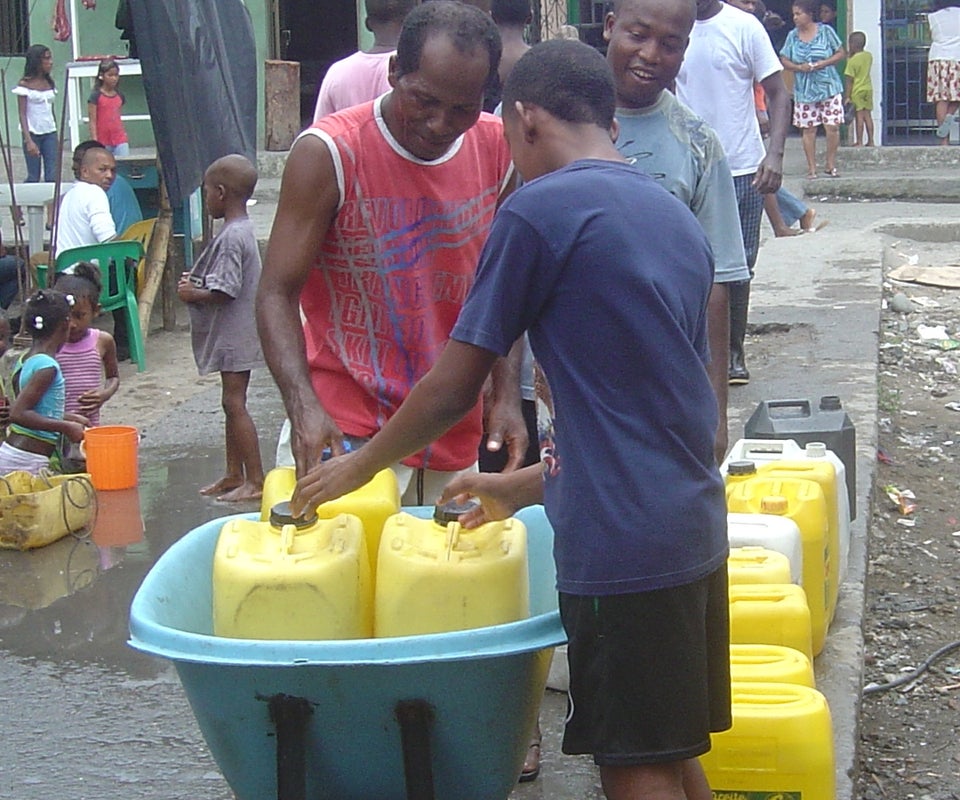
column 611, row 275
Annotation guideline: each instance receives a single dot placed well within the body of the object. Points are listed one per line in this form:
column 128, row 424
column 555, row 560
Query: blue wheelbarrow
column 433, row 717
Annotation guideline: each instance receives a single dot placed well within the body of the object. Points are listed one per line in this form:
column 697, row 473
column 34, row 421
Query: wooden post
column 175, row 265
column 156, row 257
column 282, row 107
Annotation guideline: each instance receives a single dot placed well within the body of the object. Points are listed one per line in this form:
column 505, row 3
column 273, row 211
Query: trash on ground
column 944, row 277
column 903, row 499
column 901, row 304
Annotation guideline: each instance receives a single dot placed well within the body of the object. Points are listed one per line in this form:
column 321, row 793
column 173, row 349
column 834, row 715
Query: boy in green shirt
column 859, row 90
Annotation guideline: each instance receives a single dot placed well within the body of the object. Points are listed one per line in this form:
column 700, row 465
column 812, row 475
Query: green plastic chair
column 118, row 286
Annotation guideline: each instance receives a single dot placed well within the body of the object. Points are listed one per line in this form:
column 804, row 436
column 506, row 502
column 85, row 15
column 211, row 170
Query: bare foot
column 246, row 491
column 807, row 220
column 225, row 484
column 778, row 232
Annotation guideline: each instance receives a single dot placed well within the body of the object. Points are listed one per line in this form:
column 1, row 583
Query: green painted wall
column 98, row 36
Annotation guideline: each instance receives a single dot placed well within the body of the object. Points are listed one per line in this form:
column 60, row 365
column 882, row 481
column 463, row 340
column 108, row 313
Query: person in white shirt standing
column 729, row 51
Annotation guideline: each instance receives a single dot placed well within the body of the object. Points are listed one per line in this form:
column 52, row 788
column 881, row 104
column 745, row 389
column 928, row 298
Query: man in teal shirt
column 667, row 141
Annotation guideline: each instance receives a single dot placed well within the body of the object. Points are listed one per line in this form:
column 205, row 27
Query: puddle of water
column 70, row 601
column 116, row 719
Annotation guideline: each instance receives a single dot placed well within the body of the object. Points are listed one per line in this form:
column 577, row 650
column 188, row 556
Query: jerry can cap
column 741, row 468
column 450, row 512
column 816, row 450
column 281, row 515
column 830, row 402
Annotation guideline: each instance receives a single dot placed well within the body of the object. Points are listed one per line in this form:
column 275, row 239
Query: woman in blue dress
column 811, row 52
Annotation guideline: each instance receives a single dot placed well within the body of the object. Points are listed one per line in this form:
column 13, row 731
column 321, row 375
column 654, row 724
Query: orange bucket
column 112, row 456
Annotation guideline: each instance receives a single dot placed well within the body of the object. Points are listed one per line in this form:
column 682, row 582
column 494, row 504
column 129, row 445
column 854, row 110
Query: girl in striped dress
column 89, row 356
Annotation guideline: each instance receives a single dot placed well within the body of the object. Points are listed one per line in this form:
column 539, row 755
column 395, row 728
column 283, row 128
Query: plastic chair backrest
column 111, row 257
column 140, row 232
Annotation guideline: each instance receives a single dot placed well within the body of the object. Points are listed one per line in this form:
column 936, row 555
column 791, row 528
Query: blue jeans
column 120, row 150
column 791, row 206
column 47, row 145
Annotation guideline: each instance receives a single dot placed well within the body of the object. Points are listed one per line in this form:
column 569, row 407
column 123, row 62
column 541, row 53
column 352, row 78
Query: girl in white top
column 35, row 95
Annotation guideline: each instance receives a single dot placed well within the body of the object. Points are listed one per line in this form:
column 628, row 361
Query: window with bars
column 14, row 27
column 548, row 16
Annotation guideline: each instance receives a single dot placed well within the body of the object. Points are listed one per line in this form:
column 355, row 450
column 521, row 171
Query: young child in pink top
column 88, row 359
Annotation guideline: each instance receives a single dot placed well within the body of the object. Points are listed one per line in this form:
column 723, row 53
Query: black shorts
column 649, row 672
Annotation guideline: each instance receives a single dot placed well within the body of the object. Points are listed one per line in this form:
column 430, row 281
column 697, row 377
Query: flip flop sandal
column 833, row 173
column 531, row 765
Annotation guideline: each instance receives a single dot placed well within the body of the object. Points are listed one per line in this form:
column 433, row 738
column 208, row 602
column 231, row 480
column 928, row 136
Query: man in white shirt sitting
column 85, row 219
column 85, row 211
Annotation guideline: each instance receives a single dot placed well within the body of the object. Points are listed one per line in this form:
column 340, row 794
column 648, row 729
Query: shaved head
column 235, row 173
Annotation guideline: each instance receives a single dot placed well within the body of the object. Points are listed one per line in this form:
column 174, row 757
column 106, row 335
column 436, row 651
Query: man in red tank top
column 383, row 211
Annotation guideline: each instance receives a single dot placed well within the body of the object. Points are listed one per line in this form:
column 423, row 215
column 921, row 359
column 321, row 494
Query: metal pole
column 5, row 145
column 58, row 180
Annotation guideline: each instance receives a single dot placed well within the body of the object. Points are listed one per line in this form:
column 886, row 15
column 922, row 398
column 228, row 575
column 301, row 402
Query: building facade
column 315, row 34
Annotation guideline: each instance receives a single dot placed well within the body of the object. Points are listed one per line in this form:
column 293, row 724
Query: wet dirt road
column 82, row 714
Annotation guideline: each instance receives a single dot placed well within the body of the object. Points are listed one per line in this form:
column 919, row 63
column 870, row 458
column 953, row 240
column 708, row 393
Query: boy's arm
column 437, row 402
column 308, row 203
column 847, row 86
column 188, row 292
column 500, row 494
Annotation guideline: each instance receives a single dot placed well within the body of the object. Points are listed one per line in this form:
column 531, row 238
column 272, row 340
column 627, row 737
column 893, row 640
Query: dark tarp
column 199, row 67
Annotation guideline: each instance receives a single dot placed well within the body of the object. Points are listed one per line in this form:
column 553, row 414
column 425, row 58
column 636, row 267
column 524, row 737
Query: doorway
column 908, row 117
column 315, row 34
